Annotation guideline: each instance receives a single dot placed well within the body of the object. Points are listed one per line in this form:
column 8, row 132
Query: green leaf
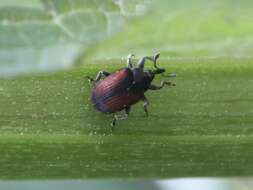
column 184, row 29
column 50, row 34
column 50, row 130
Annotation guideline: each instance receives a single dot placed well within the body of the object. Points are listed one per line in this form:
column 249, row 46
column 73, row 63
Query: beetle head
column 160, row 70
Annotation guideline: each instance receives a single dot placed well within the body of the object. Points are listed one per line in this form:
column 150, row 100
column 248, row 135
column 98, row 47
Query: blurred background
column 42, row 35
column 50, row 35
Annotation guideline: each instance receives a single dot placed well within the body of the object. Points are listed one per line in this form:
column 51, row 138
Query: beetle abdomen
column 119, row 102
column 113, row 93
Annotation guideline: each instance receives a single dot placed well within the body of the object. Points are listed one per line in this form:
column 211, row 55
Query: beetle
column 125, row 87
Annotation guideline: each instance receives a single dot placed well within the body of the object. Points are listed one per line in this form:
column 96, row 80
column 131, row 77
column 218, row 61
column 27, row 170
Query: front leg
column 129, row 61
column 141, row 62
column 145, row 105
column 163, row 83
column 99, row 76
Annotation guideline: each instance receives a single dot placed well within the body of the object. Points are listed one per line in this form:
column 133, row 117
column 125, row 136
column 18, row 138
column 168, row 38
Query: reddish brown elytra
column 125, row 87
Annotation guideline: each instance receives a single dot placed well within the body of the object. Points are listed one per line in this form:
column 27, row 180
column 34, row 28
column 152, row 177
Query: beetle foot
column 167, row 83
column 121, row 117
column 90, row 79
column 169, row 75
column 113, row 123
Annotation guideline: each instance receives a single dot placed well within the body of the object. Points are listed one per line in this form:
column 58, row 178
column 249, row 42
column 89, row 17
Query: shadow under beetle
column 125, row 87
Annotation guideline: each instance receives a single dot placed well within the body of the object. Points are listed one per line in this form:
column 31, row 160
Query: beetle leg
column 141, row 62
column 129, row 61
column 100, row 74
column 128, row 109
column 145, row 105
column 90, row 79
column 119, row 117
column 163, row 83
column 113, row 123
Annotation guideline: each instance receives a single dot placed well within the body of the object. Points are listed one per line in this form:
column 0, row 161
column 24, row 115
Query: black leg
column 90, row 79
column 145, row 105
column 113, row 123
column 99, row 76
column 141, row 63
column 154, row 58
column 129, row 61
column 163, row 83
column 128, row 109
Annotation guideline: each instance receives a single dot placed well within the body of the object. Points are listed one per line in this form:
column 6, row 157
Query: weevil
column 120, row 90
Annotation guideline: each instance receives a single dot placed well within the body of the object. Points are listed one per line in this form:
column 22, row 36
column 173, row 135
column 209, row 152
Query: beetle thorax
column 142, row 79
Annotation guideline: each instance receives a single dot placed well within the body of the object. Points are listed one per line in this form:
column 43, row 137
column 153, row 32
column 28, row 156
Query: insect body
column 121, row 89
column 116, row 92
